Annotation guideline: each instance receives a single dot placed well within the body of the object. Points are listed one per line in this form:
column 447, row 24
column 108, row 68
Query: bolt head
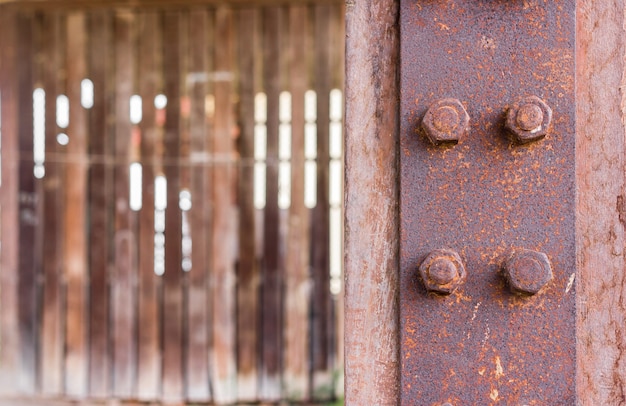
column 528, row 119
column 442, row 271
column 527, row 271
column 445, row 121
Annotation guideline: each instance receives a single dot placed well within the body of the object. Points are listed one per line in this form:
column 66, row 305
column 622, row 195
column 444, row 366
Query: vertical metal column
column 496, row 193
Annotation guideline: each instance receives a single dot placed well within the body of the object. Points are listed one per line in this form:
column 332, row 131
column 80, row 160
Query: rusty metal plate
column 491, row 194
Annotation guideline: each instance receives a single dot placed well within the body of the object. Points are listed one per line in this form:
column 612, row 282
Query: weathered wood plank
column 371, row 196
column 28, row 210
column 197, row 355
column 149, row 348
column 271, row 297
column 172, row 279
column 298, row 283
column 9, row 350
column 53, row 196
column 223, row 351
column 123, row 277
column 601, row 207
column 74, row 4
column 337, row 70
column 247, row 271
column 321, row 328
column 100, row 203
column 75, row 246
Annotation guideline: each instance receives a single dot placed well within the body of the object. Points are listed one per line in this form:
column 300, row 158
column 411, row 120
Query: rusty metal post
column 502, row 197
column 371, row 193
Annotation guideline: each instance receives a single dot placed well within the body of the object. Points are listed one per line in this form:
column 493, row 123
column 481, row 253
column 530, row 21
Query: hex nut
column 442, row 271
column 527, row 271
column 445, row 121
column 528, row 119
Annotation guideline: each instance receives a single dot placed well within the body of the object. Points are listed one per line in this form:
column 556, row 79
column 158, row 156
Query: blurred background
column 171, row 195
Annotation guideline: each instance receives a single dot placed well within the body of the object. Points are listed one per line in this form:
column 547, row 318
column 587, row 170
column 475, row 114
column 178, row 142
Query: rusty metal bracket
column 499, row 192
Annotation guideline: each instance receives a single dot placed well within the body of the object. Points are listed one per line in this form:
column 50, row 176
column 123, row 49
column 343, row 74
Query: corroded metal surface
column 487, row 197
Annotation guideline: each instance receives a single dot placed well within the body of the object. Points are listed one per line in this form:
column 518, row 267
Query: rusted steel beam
column 500, row 195
column 371, row 197
column 601, row 204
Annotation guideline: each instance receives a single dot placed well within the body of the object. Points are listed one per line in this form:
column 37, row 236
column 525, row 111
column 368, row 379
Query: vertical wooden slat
column 297, row 292
column 271, row 298
column 247, row 272
column 371, row 196
column 172, row 279
column 197, row 355
column 52, row 303
column 601, row 204
column 123, row 278
column 149, row 354
column 321, row 308
column 28, row 213
column 184, row 180
column 337, row 73
column 223, row 351
column 75, row 214
column 9, row 349
column 100, row 204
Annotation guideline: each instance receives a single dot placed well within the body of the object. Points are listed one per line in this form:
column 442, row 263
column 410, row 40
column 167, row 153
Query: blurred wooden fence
column 159, row 240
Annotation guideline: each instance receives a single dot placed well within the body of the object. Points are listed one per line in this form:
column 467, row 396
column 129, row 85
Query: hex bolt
column 528, row 119
column 445, row 121
column 442, row 271
column 527, row 271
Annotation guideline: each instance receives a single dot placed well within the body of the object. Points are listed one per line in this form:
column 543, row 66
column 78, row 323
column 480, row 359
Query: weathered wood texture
column 100, row 201
column 28, row 213
column 223, row 351
column 113, row 286
column 72, row 4
column 272, row 265
column 75, row 247
column 10, row 365
column 371, row 198
column 148, row 351
column 124, row 269
column 247, row 270
column 297, row 281
column 52, row 301
column 601, row 206
column 172, row 293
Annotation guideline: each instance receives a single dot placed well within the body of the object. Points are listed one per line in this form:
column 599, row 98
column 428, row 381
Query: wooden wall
column 236, row 303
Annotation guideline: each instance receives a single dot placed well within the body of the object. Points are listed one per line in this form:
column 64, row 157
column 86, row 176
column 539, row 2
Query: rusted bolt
column 442, row 271
column 528, row 119
column 445, row 121
column 527, row 271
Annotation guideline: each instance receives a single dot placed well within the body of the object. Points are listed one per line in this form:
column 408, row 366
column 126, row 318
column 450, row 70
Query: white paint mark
column 499, row 369
column 494, row 394
column 487, row 332
column 570, row 282
column 475, row 311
